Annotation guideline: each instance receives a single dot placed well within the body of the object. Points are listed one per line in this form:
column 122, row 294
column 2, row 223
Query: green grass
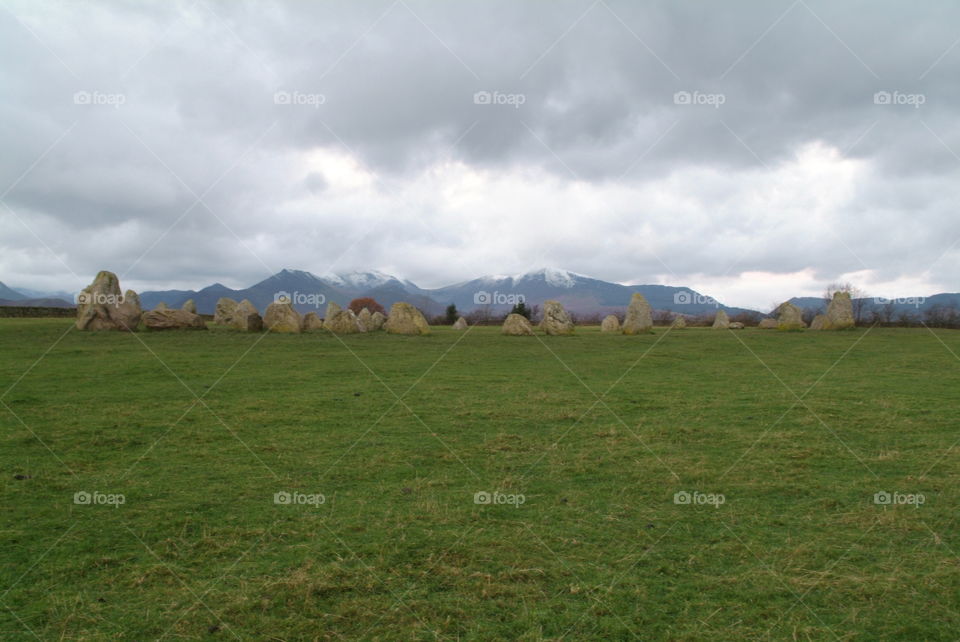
column 597, row 433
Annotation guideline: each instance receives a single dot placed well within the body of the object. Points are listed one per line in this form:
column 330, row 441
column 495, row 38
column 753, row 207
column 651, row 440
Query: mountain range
column 578, row 293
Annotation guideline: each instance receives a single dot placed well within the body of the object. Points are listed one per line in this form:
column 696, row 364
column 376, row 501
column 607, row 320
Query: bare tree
column 858, row 298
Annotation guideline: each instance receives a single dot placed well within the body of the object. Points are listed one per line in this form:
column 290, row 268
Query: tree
column 366, row 302
column 521, row 309
column 857, row 296
column 452, row 313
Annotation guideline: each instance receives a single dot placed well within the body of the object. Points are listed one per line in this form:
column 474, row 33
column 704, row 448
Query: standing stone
column 406, row 319
column 376, row 321
column 247, row 318
column 311, row 322
column 639, row 319
column 281, row 317
column 610, row 323
column 721, row 321
column 167, row 319
column 840, row 312
column 556, row 321
column 343, row 322
column 364, row 319
column 332, row 309
column 735, row 325
column 517, row 325
column 129, row 313
column 223, row 313
column 679, row 323
column 100, row 306
column 189, row 306
column 819, row 322
column 789, row 317
column 460, row 324
column 768, row 324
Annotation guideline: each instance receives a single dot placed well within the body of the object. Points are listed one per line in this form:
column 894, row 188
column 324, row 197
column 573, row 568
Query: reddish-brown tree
column 366, row 302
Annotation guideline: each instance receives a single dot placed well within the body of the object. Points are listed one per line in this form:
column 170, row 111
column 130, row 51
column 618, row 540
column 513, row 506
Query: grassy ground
column 597, row 433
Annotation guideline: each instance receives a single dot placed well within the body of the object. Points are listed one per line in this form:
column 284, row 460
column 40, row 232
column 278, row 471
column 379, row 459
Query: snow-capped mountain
column 579, row 293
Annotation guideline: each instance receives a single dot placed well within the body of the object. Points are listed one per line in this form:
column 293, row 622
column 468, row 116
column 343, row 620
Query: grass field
column 594, row 434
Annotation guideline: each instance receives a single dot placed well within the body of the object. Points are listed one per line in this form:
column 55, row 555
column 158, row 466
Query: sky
column 753, row 151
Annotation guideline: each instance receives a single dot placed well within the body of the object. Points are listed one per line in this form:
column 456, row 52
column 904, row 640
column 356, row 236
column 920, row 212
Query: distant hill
column 903, row 305
column 38, row 303
column 9, row 294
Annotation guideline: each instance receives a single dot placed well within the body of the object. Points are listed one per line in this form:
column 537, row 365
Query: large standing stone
column 224, row 312
column 406, row 319
column 189, row 306
column 167, row 319
column 129, row 313
column 639, row 319
column 281, row 317
column 332, row 309
column 610, row 323
column 311, row 321
column 247, row 318
column 556, row 321
column 376, row 321
column 768, row 324
column 517, row 325
column 840, row 312
column 100, row 305
column 721, row 321
column 460, row 324
column 789, row 317
column 364, row 319
column 241, row 316
column 343, row 322
column 679, row 323
column 819, row 322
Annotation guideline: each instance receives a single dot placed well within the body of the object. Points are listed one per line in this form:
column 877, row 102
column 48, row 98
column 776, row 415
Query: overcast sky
column 182, row 143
